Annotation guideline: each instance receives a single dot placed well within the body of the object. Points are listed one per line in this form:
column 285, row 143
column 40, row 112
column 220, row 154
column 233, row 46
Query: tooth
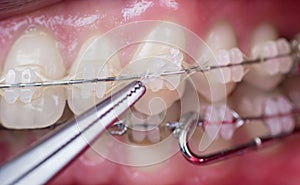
column 271, row 109
column 156, row 56
column 227, row 131
column 237, row 72
column 270, row 50
column 24, row 62
column 153, row 135
column 137, row 121
column 223, row 58
column 216, row 84
column 26, row 94
column 11, row 95
column 285, row 107
column 93, row 61
column 265, row 75
column 285, row 62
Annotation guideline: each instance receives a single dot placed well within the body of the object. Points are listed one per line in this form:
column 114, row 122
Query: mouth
column 74, row 40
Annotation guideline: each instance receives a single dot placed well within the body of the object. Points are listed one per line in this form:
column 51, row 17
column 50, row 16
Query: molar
column 33, row 57
column 95, row 60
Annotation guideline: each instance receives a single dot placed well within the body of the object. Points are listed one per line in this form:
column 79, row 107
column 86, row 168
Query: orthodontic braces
column 294, row 53
column 182, row 129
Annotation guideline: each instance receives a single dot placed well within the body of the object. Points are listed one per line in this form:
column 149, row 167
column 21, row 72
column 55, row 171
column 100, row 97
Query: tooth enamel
column 153, row 135
column 270, row 50
column 227, row 131
column 237, row 72
column 271, row 109
column 285, row 107
column 24, row 62
column 93, row 61
column 156, row 56
column 216, row 84
column 285, row 62
column 265, row 75
column 11, row 95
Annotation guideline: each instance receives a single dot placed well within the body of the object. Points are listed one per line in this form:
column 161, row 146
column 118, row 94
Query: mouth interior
column 71, row 23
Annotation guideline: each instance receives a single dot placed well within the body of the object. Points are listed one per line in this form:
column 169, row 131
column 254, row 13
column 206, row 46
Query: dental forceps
column 39, row 164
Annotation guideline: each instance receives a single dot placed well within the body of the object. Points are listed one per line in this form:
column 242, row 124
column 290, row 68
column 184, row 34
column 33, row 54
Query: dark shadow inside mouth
column 17, row 7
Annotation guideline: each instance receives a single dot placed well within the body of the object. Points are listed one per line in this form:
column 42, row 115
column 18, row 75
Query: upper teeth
column 95, row 60
column 154, row 57
column 28, row 62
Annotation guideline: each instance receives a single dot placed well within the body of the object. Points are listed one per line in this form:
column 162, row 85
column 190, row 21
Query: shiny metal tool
column 40, row 163
column 191, row 120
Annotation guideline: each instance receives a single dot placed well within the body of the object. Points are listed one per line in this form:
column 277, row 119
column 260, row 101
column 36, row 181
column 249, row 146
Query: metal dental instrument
column 191, row 121
column 40, row 163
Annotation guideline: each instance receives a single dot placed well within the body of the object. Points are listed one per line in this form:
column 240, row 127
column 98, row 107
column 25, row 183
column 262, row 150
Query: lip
column 275, row 165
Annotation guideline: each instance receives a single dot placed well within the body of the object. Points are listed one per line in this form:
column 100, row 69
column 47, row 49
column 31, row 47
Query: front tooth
column 28, row 62
column 265, row 75
column 154, row 57
column 93, row 61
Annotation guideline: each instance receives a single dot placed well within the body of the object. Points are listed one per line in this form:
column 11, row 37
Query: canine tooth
column 24, row 62
column 156, row 56
column 95, row 60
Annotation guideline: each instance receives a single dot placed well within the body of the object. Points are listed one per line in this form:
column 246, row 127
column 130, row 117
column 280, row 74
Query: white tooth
column 138, row 135
column 100, row 87
column 270, row 50
column 285, row 62
column 262, row 45
column 212, row 130
column 223, row 58
column 237, row 72
column 170, row 58
column 11, row 95
column 213, row 85
column 88, row 88
column 27, row 59
column 137, row 120
column 285, row 107
column 153, row 135
column 93, row 61
column 271, row 109
column 221, row 36
column 227, row 131
column 26, row 94
column 156, row 84
column 283, row 46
